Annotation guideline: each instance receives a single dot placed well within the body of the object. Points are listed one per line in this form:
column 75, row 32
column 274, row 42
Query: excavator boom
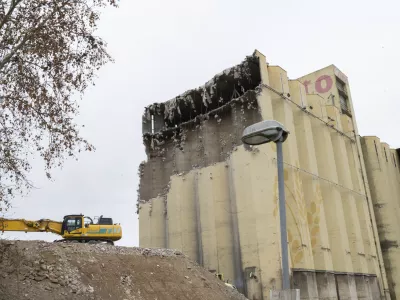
column 43, row 225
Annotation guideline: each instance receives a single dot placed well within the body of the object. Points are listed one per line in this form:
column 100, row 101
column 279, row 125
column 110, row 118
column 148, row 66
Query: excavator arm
column 43, row 225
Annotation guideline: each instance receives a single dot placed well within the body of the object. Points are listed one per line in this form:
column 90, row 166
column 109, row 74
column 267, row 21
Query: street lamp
column 262, row 133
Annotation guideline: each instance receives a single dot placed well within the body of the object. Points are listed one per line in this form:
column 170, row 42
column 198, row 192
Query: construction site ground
column 37, row 270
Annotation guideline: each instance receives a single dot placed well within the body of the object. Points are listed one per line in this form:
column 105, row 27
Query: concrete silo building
column 203, row 192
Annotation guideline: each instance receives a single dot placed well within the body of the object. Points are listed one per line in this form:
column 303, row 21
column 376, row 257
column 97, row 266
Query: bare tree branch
column 48, row 52
column 14, row 4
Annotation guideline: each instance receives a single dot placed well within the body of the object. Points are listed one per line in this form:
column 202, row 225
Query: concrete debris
column 219, row 90
column 81, row 271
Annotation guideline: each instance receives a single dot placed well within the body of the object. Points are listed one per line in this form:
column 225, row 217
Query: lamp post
column 262, row 133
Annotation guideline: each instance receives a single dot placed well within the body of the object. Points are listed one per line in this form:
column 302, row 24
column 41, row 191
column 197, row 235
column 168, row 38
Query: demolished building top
column 229, row 84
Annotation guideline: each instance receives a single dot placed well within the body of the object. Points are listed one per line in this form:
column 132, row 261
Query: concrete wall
column 384, row 177
column 220, row 196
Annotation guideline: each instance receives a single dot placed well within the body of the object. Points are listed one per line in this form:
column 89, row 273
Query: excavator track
column 109, row 242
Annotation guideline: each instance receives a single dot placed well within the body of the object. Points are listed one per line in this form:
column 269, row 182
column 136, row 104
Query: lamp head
column 264, row 132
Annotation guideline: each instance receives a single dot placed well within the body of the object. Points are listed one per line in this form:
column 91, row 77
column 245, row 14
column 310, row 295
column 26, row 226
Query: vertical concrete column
column 264, row 183
column 236, row 248
column 144, row 225
column 363, row 211
column 204, row 183
column 396, row 173
column 346, row 285
column 184, row 151
column 159, row 174
column 223, row 221
column 257, row 232
column 376, row 252
column 361, row 201
column 254, row 181
column 333, row 205
column 362, row 285
column 181, row 160
column 181, row 206
column 391, row 177
column 382, row 278
column 393, row 197
column 211, row 141
column 298, row 231
column 384, row 211
column 312, row 194
column 197, row 206
column 387, row 171
column 157, row 223
column 247, row 220
column 146, row 187
column 192, row 154
column 374, row 290
column 348, row 197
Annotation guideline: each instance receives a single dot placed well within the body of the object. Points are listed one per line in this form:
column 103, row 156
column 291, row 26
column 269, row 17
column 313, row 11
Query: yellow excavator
column 74, row 228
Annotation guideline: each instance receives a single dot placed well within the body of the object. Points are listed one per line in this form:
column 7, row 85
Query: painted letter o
column 318, row 84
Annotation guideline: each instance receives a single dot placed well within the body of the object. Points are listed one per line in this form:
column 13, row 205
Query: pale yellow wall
column 255, row 190
column 223, row 213
column 349, row 199
column 182, row 225
column 366, row 254
column 152, row 222
column 334, row 213
column 298, row 231
column 312, row 189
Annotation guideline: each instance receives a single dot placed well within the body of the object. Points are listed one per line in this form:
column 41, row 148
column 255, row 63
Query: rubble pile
column 39, row 270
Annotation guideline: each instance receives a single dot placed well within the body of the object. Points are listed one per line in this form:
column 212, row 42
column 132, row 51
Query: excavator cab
column 72, row 223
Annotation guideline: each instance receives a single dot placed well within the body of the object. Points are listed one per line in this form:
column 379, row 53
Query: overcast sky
column 162, row 48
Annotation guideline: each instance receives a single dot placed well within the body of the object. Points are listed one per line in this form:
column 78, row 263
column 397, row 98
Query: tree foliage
column 49, row 53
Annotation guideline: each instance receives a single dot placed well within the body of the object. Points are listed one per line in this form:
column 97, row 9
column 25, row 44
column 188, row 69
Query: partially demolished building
column 203, row 192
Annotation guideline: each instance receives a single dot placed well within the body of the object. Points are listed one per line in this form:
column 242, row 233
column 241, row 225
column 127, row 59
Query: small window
column 74, row 224
column 152, row 123
column 341, row 85
column 394, row 160
column 105, row 221
column 344, row 104
column 384, row 149
column 343, row 98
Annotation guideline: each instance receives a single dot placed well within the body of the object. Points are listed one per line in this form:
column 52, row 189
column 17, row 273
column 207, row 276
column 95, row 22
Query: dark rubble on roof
column 230, row 84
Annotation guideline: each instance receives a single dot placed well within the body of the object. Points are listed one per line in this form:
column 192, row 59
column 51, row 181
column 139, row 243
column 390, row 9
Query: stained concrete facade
column 383, row 171
column 203, row 192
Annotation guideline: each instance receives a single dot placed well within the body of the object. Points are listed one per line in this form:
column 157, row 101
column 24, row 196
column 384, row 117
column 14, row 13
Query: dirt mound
column 38, row 270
